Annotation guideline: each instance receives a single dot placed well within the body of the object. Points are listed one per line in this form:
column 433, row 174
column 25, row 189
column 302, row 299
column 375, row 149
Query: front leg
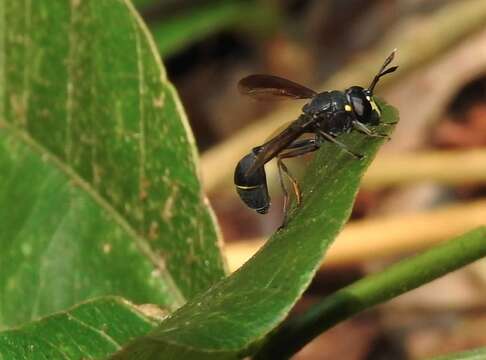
column 362, row 128
column 332, row 139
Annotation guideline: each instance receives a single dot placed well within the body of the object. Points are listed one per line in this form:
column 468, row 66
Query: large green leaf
column 228, row 319
column 90, row 330
column 99, row 191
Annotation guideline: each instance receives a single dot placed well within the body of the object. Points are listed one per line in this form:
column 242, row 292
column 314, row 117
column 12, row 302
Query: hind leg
column 298, row 148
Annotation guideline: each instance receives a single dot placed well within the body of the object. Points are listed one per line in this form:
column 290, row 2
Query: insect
column 326, row 115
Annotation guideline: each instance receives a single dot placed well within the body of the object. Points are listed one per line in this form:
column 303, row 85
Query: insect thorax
column 331, row 111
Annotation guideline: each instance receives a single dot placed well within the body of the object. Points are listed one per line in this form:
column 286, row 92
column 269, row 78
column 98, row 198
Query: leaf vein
column 141, row 242
column 94, row 329
column 142, row 150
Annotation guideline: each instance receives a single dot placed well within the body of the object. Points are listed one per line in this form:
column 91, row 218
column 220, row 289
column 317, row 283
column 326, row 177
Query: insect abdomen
column 252, row 189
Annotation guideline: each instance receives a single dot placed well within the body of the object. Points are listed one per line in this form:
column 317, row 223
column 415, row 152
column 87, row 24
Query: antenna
column 383, row 70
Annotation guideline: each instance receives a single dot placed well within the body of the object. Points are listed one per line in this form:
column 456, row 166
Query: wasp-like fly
column 326, row 115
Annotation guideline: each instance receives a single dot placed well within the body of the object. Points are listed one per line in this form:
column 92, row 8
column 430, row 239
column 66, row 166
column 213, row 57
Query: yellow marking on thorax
column 348, row 108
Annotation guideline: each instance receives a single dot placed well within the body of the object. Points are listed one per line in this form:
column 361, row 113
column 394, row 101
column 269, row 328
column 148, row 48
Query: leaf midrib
column 141, row 242
column 25, row 137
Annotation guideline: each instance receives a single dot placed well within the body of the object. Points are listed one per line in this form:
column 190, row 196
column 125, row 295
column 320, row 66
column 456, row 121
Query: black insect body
column 252, row 189
column 327, row 115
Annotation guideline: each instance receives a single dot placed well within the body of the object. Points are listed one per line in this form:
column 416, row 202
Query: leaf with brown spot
column 93, row 141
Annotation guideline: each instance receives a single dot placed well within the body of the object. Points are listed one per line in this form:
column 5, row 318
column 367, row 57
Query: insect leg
column 390, row 123
column 332, row 139
column 362, row 128
column 284, row 189
column 298, row 148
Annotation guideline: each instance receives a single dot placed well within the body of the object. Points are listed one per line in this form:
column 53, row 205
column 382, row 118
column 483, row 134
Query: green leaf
column 99, row 192
column 179, row 31
column 239, row 311
column 91, row 330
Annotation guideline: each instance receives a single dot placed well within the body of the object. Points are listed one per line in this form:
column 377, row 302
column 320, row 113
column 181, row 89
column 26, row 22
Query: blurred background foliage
column 428, row 183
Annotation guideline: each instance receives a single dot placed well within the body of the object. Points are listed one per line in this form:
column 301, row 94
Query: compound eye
column 358, row 105
column 362, row 106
